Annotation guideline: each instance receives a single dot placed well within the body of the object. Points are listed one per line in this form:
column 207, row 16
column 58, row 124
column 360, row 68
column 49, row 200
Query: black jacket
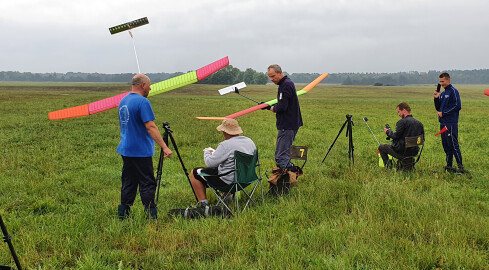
column 288, row 112
column 406, row 127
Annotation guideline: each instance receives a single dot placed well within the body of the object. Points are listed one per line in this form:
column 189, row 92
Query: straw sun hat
column 230, row 126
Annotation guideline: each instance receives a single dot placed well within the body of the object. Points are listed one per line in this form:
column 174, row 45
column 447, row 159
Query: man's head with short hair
column 275, row 74
column 403, row 110
column 275, row 68
column 444, row 75
column 141, row 84
column 444, row 79
column 404, row 106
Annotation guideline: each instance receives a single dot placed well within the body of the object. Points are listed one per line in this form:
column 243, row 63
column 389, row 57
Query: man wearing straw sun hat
column 221, row 160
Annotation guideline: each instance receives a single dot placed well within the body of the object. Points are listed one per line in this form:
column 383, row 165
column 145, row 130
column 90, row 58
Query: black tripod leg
column 351, row 148
column 342, row 127
column 183, row 165
column 159, row 171
column 7, row 239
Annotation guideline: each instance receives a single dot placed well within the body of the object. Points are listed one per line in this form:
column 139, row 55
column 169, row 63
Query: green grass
column 60, row 185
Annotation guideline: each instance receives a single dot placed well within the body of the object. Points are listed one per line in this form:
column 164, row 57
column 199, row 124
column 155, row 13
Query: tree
column 249, row 76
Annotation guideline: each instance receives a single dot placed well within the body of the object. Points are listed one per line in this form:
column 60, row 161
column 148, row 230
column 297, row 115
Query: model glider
column 156, row 88
column 486, row 92
column 303, row 91
column 128, row 26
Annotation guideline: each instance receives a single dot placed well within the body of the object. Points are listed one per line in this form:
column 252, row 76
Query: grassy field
column 60, row 185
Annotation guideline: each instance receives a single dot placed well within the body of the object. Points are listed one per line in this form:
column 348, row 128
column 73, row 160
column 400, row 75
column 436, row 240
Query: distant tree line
column 480, row 76
column 227, row 75
column 231, row 75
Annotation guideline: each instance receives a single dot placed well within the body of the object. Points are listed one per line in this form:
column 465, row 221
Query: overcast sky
column 300, row 35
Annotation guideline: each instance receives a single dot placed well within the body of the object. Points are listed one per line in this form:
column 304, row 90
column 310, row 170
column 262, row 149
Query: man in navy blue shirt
column 138, row 135
column 288, row 115
column 448, row 105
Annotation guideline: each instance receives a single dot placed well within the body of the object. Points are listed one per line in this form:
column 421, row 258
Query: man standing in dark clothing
column 406, row 127
column 138, row 135
column 288, row 114
column 448, row 105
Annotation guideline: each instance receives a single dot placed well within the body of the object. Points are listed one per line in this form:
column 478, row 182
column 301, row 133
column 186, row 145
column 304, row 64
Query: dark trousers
column 385, row 150
column 449, row 140
column 138, row 171
column 285, row 138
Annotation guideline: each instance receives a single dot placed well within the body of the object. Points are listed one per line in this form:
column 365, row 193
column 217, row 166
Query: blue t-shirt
column 134, row 111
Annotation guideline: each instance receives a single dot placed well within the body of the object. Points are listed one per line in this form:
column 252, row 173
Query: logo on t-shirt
column 123, row 118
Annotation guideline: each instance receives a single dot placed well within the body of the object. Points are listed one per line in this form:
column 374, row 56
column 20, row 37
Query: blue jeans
column 285, row 138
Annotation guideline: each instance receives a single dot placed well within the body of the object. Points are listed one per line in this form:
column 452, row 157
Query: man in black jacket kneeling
column 406, row 127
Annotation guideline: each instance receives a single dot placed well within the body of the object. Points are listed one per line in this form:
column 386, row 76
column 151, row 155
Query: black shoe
column 151, row 212
column 461, row 170
column 291, row 167
column 450, row 169
column 123, row 211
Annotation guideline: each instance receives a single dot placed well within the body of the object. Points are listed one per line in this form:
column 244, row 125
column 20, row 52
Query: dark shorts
column 213, row 179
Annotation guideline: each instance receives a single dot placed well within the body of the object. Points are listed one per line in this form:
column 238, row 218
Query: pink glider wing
column 206, row 71
column 105, row 104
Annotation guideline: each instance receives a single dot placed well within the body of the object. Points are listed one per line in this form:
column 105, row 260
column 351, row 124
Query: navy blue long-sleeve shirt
column 288, row 112
column 449, row 104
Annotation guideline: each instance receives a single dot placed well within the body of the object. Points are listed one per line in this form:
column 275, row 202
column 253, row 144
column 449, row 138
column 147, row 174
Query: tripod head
column 166, row 127
column 350, row 123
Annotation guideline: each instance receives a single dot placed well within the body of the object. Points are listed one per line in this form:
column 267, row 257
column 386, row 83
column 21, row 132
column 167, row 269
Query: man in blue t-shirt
column 138, row 135
column 448, row 105
column 288, row 115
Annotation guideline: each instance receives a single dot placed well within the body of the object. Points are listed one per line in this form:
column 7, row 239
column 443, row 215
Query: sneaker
column 202, row 205
column 461, row 170
column 450, row 169
column 291, row 167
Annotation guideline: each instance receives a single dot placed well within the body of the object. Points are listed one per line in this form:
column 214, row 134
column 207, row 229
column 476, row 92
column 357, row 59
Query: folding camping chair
column 245, row 174
column 407, row 162
column 299, row 153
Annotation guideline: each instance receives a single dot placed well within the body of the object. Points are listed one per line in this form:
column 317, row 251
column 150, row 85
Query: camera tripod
column 7, row 239
column 168, row 134
column 349, row 132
